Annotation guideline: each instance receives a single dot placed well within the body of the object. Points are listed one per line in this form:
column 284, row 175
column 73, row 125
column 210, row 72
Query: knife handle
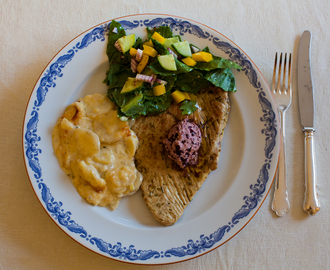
column 280, row 204
column 311, row 202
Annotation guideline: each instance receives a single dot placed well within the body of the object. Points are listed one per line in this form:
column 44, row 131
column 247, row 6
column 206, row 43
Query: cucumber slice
column 131, row 85
column 170, row 41
column 167, row 61
column 182, row 48
column 126, row 42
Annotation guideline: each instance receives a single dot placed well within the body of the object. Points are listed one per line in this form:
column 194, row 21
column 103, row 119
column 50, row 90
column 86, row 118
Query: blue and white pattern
column 131, row 253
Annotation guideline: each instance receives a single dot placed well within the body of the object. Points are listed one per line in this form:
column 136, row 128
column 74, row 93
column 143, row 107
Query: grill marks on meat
column 167, row 189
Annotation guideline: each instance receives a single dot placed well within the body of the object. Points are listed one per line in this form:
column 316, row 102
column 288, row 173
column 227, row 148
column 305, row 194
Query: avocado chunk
column 182, row 48
column 126, row 42
column 131, row 85
column 133, row 106
column 167, row 61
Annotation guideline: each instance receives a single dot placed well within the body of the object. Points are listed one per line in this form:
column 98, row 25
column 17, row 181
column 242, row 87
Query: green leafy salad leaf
column 188, row 106
column 164, row 31
column 112, row 52
column 160, row 48
column 216, row 63
column 157, row 104
column 192, row 82
column 222, row 78
column 143, row 100
column 119, row 69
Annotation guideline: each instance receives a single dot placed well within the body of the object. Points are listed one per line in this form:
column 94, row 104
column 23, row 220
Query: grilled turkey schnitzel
column 167, row 189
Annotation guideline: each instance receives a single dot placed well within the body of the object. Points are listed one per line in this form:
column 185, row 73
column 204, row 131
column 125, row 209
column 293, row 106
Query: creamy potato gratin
column 96, row 150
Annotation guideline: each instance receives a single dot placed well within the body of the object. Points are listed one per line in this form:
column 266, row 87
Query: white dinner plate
column 228, row 199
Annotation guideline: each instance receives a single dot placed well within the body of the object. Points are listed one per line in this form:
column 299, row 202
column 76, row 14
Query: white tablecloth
column 32, row 32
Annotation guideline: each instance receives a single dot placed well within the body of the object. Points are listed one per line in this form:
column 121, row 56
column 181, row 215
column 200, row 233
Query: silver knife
column 306, row 108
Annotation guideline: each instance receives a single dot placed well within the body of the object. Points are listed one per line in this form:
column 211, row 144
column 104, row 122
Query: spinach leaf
column 170, row 82
column 217, row 62
column 181, row 67
column 156, row 104
column 222, row 78
column 160, row 48
column 138, row 44
column 130, row 105
column 117, row 75
column 119, row 63
column 164, row 31
column 119, row 99
column 113, row 54
column 191, row 82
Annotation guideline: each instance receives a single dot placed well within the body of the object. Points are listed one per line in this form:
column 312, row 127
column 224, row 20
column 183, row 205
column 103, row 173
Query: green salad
column 146, row 76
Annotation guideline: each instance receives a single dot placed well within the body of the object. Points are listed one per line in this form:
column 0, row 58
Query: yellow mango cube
column 202, row 57
column 149, row 43
column 178, row 96
column 187, row 95
column 189, row 61
column 159, row 90
column 132, row 52
column 149, row 51
column 143, row 63
column 158, row 37
column 192, row 96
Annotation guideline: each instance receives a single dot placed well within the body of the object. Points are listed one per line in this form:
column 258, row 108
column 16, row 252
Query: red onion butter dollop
column 182, row 143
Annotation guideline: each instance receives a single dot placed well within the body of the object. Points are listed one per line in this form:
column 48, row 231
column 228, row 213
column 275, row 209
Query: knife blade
column 306, row 109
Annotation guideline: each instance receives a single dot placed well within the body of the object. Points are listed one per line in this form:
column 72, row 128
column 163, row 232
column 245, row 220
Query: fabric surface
column 32, row 32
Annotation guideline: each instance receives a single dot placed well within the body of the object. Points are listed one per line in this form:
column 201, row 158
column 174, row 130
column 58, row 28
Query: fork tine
column 289, row 76
column 274, row 74
column 279, row 75
column 284, row 76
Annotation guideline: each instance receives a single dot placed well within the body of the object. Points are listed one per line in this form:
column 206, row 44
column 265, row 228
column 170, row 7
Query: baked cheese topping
column 96, row 150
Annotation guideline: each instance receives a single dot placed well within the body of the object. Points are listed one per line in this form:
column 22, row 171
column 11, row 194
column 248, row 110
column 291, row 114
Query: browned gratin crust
column 167, row 189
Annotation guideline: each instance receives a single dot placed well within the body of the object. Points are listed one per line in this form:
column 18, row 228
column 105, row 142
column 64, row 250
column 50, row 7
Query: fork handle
column 280, row 204
column 311, row 202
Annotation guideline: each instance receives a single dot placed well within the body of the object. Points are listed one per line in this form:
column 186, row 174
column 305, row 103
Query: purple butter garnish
column 182, row 143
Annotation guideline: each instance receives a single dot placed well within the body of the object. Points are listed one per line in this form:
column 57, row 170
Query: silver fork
column 283, row 94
